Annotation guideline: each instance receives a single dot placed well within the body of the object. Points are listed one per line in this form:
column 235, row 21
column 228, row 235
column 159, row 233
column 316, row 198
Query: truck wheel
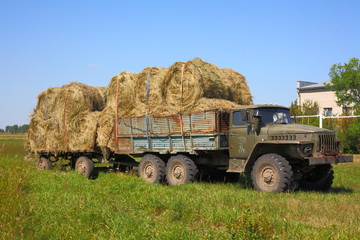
column 319, row 179
column 152, row 168
column 180, row 169
column 84, row 166
column 43, row 164
column 271, row 173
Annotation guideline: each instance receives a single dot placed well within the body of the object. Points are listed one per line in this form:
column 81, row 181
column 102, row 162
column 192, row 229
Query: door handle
column 232, row 134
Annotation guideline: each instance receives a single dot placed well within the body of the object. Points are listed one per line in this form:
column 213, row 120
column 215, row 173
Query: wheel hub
column 149, row 171
column 41, row 165
column 81, row 167
column 178, row 172
column 268, row 176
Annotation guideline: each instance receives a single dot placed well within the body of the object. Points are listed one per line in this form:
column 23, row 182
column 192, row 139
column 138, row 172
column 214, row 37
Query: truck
column 259, row 141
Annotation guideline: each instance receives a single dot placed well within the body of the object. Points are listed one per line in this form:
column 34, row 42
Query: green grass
column 64, row 205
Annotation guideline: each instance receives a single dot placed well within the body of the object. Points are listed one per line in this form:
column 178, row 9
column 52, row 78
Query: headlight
column 305, row 150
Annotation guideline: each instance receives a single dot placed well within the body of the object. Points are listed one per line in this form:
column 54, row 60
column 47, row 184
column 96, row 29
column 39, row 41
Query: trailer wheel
column 84, row 166
column 271, row 173
column 180, row 169
column 319, row 179
column 43, row 164
column 152, row 168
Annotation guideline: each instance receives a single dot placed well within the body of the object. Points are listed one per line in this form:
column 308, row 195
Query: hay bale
column 59, row 121
column 239, row 91
column 188, row 82
column 105, row 131
column 77, row 117
column 83, row 132
column 130, row 90
column 46, row 102
column 155, row 104
column 121, row 88
column 205, row 104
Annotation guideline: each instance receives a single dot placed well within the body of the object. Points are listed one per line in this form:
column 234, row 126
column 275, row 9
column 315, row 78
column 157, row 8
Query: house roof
column 308, row 85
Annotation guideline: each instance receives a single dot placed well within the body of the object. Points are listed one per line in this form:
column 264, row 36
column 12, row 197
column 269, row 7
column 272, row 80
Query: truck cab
column 266, row 144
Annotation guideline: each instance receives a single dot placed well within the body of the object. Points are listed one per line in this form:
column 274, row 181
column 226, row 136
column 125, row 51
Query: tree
column 295, row 109
column 308, row 107
column 345, row 81
column 16, row 129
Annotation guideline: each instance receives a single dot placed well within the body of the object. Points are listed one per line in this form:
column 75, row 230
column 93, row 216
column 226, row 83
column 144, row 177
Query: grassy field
column 64, row 205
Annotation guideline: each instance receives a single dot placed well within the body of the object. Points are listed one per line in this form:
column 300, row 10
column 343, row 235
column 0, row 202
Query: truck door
column 241, row 137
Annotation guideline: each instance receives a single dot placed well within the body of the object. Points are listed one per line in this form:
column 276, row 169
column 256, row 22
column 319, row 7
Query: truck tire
column 319, row 179
column 43, row 164
column 152, row 168
column 180, row 169
column 271, row 173
column 85, row 166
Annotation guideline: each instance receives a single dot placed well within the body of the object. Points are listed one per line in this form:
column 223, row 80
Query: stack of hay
column 190, row 86
column 65, row 119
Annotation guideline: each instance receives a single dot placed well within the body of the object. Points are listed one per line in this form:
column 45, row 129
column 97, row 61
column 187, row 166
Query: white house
column 318, row 92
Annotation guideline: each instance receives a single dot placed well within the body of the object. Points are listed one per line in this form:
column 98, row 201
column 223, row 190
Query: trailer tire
column 43, row 164
column 180, row 169
column 85, row 166
column 319, row 179
column 152, row 168
column 271, row 173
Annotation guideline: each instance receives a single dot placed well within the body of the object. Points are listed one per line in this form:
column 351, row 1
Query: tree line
column 15, row 129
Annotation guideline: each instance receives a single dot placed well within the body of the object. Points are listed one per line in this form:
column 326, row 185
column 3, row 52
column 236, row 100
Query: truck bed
column 192, row 132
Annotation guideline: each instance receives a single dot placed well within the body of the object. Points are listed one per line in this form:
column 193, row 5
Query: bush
column 350, row 137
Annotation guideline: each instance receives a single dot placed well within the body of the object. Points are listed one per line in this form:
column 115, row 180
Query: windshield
column 273, row 115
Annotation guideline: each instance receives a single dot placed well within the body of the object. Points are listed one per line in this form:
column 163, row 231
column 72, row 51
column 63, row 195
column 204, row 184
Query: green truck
column 259, row 141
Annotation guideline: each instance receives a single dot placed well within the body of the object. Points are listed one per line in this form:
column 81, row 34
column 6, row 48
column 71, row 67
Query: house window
column 327, row 111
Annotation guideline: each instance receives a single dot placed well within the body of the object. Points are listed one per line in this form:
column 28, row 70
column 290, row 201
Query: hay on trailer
column 59, row 121
column 205, row 104
column 77, row 117
column 154, row 104
column 105, row 132
column 187, row 82
column 130, row 91
column 239, row 91
column 83, row 132
column 46, row 102
column 121, row 89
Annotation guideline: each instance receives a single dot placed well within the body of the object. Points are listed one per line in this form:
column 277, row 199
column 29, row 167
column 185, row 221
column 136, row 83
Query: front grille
column 328, row 144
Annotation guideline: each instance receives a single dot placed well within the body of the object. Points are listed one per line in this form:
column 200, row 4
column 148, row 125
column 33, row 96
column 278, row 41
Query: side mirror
column 257, row 124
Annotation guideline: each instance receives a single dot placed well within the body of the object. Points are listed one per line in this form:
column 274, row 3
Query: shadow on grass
column 226, row 178
column 333, row 190
column 340, row 190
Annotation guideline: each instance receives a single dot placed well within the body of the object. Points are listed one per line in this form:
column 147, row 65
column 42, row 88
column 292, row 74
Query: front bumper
column 329, row 160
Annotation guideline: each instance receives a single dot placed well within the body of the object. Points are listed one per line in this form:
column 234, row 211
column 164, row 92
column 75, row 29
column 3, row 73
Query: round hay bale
column 187, row 82
column 239, row 91
column 105, row 133
column 121, row 88
column 46, row 102
column 154, row 104
column 82, row 132
column 75, row 98
column 55, row 122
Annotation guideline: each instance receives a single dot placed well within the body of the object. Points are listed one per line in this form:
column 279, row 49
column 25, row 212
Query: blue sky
column 273, row 43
